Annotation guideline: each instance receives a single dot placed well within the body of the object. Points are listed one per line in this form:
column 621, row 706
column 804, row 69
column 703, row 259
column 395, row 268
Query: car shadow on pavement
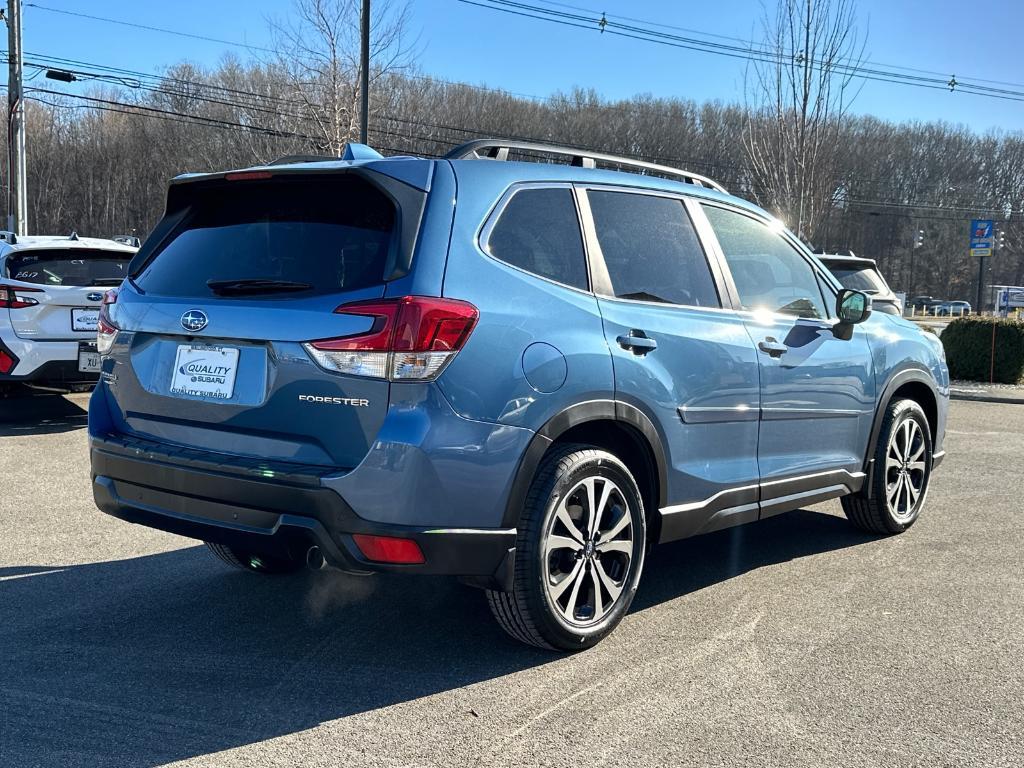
column 42, row 414
column 147, row 660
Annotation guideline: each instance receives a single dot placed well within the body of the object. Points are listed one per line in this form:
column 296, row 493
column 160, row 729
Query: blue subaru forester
column 498, row 366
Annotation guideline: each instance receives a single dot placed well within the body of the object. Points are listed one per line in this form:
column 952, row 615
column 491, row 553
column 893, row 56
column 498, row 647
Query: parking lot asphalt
column 793, row 642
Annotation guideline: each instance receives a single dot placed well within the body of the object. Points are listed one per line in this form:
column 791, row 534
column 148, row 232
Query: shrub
column 968, row 343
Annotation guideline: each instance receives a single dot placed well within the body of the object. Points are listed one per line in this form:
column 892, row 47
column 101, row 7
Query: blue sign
column 981, row 233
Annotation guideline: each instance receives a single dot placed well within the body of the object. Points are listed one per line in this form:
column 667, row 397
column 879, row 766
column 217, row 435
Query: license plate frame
column 89, row 360
column 91, row 317
column 204, row 371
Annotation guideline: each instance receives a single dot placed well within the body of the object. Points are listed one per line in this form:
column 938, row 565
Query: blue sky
column 981, row 39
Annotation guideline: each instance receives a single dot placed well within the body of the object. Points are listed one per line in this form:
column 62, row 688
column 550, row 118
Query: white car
column 51, row 289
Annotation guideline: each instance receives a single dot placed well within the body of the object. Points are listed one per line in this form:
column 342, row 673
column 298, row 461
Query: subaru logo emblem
column 94, row 296
column 194, row 320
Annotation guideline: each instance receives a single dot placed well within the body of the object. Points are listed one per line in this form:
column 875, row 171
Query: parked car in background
column 50, row 293
column 925, row 304
column 861, row 274
column 522, row 374
column 952, row 308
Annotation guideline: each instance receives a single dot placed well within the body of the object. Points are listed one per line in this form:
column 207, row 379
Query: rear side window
column 538, row 230
column 651, row 250
column 66, row 266
column 333, row 233
column 769, row 273
column 859, row 278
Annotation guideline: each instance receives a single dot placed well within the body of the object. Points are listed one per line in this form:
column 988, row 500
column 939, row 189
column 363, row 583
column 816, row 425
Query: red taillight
column 389, row 549
column 412, row 337
column 106, row 331
column 11, row 296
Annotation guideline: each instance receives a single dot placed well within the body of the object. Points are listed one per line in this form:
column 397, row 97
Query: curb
column 986, row 398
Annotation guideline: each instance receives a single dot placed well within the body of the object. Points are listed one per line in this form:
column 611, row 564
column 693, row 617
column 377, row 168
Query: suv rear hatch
column 61, row 288
column 243, row 269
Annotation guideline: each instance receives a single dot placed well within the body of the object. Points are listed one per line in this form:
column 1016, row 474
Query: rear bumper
column 54, row 362
column 237, row 504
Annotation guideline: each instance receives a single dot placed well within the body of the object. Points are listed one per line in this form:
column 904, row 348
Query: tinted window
column 333, row 233
column 859, row 278
column 66, row 266
column 769, row 273
column 651, row 250
column 539, row 231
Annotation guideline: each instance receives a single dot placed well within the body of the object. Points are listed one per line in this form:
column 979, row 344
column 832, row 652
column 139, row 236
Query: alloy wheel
column 905, row 469
column 588, row 551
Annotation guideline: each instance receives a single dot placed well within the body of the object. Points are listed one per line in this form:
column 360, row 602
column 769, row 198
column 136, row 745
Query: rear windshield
column 66, row 266
column 332, row 233
column 860, row 279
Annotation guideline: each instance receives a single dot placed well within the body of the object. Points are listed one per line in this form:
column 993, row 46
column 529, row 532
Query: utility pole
column 364, row 74
column 17, row 190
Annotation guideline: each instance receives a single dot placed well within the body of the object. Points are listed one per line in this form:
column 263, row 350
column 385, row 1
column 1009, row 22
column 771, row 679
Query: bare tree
column 799, row 90
column 318, row 50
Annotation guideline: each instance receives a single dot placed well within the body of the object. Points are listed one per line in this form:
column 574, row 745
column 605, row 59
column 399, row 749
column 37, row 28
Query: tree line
column 98, row 163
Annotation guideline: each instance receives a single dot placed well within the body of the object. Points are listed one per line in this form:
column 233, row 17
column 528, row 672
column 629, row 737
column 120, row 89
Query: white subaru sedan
column 51, row 289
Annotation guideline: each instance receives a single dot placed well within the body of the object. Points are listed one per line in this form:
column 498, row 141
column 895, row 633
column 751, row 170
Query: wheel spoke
column 606, row 494
column 893, row 492
column 614, row 590
column 598, row 600
column 570, row 607
column 912, row 494
column 563, row 516
column 907, row 437
column 590, row 512
column 616, row 529
column 917, row 454
column 619, row 545
column 561, row 542
column 916, row 466
column 557, row 590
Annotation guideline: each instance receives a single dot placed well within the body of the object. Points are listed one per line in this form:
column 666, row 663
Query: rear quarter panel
column 556, row 330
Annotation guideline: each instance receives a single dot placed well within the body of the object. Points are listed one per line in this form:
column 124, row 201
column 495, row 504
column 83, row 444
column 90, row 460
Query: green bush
column 968, row 343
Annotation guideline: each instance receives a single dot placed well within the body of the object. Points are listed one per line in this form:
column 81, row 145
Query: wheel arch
column 913, row 383
column 617, row 427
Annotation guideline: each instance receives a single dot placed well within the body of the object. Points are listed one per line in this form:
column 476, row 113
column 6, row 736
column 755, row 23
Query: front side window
column 769, row 273
column 539, row 231
column 651, row 250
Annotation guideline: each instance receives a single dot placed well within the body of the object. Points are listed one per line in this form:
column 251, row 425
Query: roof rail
column 130, row 240
column 9, row 237
column 498, row 149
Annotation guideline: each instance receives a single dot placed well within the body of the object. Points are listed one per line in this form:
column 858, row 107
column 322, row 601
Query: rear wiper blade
column 255, row 285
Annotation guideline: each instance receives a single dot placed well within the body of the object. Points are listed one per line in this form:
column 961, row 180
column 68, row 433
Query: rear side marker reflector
column 412, row 338
column 8, row 361
column 389, row 549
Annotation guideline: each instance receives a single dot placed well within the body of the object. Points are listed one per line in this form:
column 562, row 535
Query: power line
column 751, row 43
column 603, row 26
column 149, row 28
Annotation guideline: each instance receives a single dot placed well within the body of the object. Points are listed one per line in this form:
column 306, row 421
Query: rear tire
column 901, row 472
column 579, row 552
column 254, row 563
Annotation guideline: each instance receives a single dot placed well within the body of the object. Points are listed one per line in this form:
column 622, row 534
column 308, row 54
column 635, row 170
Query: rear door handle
column 772, row 347
column 637, row 342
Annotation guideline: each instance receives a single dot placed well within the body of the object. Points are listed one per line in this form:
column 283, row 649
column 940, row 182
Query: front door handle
column 637, row 342
column 772, row 347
